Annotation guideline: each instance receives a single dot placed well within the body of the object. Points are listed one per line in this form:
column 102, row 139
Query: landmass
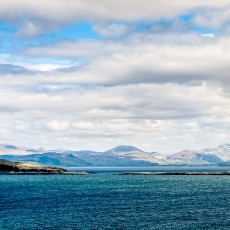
column 120, row 156
column 176, row 173
column 9, row 167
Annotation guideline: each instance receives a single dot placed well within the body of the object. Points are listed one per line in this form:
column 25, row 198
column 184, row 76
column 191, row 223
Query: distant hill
column 194, row 158
column 222, row 151
column 119, row 156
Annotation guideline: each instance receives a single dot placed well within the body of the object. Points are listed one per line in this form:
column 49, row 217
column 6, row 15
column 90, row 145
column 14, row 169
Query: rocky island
column 9, row 167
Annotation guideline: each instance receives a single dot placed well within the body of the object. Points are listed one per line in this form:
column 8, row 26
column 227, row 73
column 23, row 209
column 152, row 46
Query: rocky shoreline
column 21, row 168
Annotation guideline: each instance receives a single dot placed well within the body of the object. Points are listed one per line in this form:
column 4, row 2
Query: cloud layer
column 151, row 74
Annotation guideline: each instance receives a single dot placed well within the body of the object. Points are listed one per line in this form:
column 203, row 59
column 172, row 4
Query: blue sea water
column 108, row 201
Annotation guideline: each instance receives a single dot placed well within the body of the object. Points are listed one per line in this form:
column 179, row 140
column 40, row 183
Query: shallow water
column 107, row 201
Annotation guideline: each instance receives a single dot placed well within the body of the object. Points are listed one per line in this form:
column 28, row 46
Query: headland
column 11, row 168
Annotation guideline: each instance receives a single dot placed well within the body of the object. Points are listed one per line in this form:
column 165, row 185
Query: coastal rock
column 19, row 167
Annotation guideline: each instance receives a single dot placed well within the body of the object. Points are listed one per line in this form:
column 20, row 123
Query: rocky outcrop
column 27, row 168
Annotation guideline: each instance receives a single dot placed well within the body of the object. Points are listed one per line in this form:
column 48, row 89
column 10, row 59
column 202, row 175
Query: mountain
column 119, row 156
column 123, row 149
column 190, row 157
column 49, row 158
column 130, row 153
column 222, row 151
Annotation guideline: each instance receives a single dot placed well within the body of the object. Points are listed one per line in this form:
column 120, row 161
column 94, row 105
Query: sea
column 107, row 200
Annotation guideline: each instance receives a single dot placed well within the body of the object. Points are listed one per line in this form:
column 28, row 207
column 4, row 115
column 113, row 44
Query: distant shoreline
column 45, row 173
column 177, row 173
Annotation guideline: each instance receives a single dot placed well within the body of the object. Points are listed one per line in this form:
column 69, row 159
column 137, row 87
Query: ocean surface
column 108, row 201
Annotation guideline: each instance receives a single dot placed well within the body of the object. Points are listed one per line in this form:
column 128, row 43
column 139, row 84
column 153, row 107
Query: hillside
column 116, row 157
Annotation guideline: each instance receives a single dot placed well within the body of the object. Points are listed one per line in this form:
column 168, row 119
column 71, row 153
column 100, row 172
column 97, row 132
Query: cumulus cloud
column 216, row 18
column 111, row 30
column 58, row 125
column 52, row 14
column 29, row 29
column 118, row 10
column 143, row 115
column 188, row 60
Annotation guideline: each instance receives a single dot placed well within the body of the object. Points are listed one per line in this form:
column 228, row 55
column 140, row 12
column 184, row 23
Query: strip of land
column 176, row 173
column 21, row 168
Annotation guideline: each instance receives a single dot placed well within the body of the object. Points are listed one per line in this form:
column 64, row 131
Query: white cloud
column 184, row 59
column 52, row 14
column 213, row 17
column 29, row 29
column 58, row 125
column 43, row 67
column 111, row 30
column 210, row 35
column 143, row 115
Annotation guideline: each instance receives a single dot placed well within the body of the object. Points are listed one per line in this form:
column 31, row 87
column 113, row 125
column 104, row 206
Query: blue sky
column 92, row 75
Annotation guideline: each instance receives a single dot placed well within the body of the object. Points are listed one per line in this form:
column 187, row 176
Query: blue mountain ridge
column 119, row 156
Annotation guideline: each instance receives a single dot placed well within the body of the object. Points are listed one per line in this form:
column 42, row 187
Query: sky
column 97, row 74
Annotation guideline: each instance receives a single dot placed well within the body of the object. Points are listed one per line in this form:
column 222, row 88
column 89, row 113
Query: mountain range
column 119, row 156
